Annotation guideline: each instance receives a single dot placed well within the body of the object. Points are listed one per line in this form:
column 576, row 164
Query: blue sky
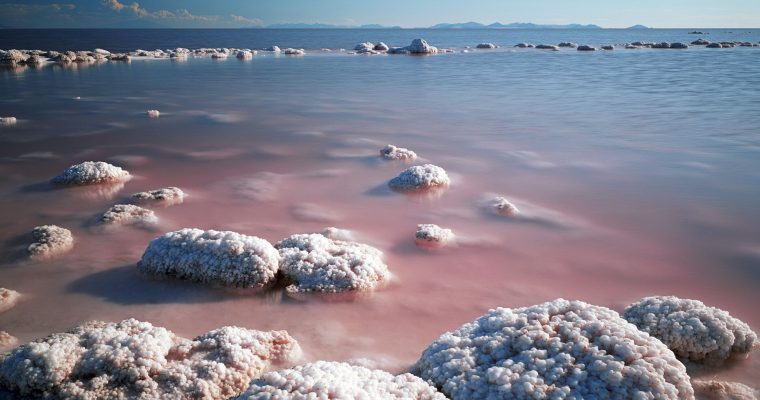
column 405, row 13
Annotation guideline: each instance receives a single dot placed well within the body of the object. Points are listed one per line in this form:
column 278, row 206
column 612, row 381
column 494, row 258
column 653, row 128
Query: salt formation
column 418, row 46
column 128, row 214
column 273, row 49
column 315, row 263
column 366, row 47
column 8, row 299
column 486, row 46
column 245, row 54
column 12, row 57
column 89, row 172
column 586, row 48
column 420, row 177
column 431, row 235
column 568, row 44
column 690, row 328
column 380, row 46
column 525, row 45
column 8, row 121
column 391, row 152
column 7, row 341
column 718, row 390
column 547, row 47
column 166, row 196
column 608, row 47
column 338, row 381
column 334, row 233
column 216, row 257
column 50, row 241
column 558, row 349
column 294, row 52
column 504, row 207
column 153, row 113
column 136, row 360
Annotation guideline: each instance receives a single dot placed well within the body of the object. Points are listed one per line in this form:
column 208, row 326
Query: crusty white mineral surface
column 420, row 177
column 7, row 120
column 558, row 349
column 719, row 390
column 49, row 241
column 7, row 341
column 503, row 207
column 166, row 196
column 391, row 152
column 338, row 381
column 315, row 263
column 432, row 236
column 128, row 214
column 690, row 328
column 153, row 113
column 216, row 257
column 294, row 52
column 89, row 173
column 337, row 233
column 8, row 299
column 136, row 360
column 418, row 46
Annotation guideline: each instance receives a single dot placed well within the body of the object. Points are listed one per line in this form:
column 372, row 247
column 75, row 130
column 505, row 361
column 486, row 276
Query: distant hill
column 514, row 25
column 328, row 26
column 638, row 27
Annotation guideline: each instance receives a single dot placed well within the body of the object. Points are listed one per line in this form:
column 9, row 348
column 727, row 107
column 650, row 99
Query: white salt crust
column 315, row 263
column 431, row 235
column 420, row 177
column 128, row 214
column 89, row 172
column 136, row 360
column 719, row 390
column 8, row 299
column 153, row 113
column 338, row 381
column 690, row 328
column 7, row 341
column 8, row 121
column 418, row 46
column 50, row 241
column 503, row 207
column 391, row 152
column 558, row 349
column 165, row 196
column 334, row 233
column 216, row 257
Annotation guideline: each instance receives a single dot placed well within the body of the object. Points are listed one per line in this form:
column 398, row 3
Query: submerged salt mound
column 334, row 233
column 558, row 349
column 166, row 196
column 136, row 360
column 216, row 257
column 486, row 46
column 503, row 207
column 690, row 328
column 7, row 341
column 8, row 299
column 420, row 177
column 391, row 152
column 315, row 263
column 89, row 173
column 153, row 113
column 432, row 236
column 50, row 241
column 718, row 390
column 418, row 46
column 8, row 121
column 128, row 214
column 294, row 52
column 338, row 381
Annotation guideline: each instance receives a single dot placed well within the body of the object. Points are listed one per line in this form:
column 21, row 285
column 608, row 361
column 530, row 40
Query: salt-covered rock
column 245, row 55
column 663, row 45
column 364, row 47
column 219, row 55
column 714, row 46
column 586, row 48
column 380, row 46
column 700, row 42
column 568, row 44
column 420, row 177
column 90, row 172
column 418, row 46
column 12, row 57
column 432, row 236
column 391, row 152
column 334, row 233
column 525, row 45
column 128, row 214
column 8, row 121
column 608, row 47
column 120, row 57
column 486, row 46
column 34, row 60
column 153, row 113
column 547, row 47
column 720, row 390
column 315, row 263
column 50, row 241
column 503, row 207
column 136, row 360
column 690, row 328
column 558, row 349
column 7, row 341
column 166, row 196
column 273, row 49
column 294, row 52
column 216, row 257
column 338, row 381
column 679, row 45
column 8, row 299
column 102, row 52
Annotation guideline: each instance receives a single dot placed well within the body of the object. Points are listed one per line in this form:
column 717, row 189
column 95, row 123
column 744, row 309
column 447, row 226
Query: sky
column 404, row 13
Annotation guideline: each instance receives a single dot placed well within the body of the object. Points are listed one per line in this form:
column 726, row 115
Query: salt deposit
column 586, row 48
column 525, row 45
column 338, row 381
column 216, row 257
column 89, row 172
column 391, row 152
column 432, row 236
column 245, row 55
column 568, row 44
column 365, row 47
column 380, row 46
column 558, row 349
column 128, row 214
column 315, row 263
column 7, row 341
column 153, row 113
column 486, row 46
column 294, row 52
column 166, row 196
column 690, row 328
column 219, row 55
column 334, row 233
column 608, row 47
column 8, row 299
column 547, row 47
column 136, row 360
column 50, row 241
column 718, row 390
column 420, row 177
column 502, row 206
column 273, row 49
column 418, row 46
column 8, row 121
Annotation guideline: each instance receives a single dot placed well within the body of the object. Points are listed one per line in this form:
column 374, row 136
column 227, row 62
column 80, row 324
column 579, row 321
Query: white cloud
column 246, row 21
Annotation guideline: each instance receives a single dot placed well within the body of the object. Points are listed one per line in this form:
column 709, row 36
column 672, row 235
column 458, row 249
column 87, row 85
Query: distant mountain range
column 463, row 25
column 328, row 26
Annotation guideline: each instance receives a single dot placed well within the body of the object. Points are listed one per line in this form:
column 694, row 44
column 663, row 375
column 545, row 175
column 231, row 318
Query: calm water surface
column 646, row 164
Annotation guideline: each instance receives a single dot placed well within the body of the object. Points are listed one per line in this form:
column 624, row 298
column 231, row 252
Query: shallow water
column 643, row 166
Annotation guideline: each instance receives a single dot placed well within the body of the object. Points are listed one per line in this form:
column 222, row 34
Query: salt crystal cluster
column 128, row 214
column 334, row 233
column 504, row 207
column 420, row 177
column 50, row 241
column 486, row 46
column 153, row 113
column 166, row 196
column 8, row 121
column 719, row 390
column 315, row 263
column 8, row 299
column 136, row 360
column 218, row 257
column 391, row 152
column 418, row 46
column 338, row 381
column 690, row 328
column 558, row 349
column 431, row 235
column 294, row 52
column 7, row 341
column 89, row 173
column 245, row 54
